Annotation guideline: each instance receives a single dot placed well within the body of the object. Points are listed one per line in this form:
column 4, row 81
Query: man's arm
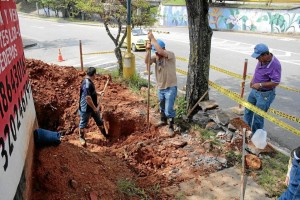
column 89, row 101
column 269, row 84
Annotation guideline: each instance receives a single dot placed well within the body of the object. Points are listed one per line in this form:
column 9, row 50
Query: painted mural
column 273, row 21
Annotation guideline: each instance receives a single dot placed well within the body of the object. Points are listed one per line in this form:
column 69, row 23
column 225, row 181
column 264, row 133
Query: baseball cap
column 259, row 49
column 160, row 43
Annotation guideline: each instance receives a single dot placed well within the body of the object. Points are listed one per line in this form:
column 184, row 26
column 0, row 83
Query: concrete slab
column 225, row 184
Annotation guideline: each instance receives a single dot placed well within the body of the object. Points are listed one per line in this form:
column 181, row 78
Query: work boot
column 81, row 137
column 163, row 120
column 171, row 126
column 103, row 131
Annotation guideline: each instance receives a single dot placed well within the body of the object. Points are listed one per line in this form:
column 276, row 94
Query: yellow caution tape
column 238, row 75
column 277, row 112
column 253, row 108
column 103, row 52
column 284, row 115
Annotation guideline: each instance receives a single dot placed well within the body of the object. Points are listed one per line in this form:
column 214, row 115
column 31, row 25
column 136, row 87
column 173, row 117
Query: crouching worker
column 88, row 105
column 293, row 177
column 165, row 73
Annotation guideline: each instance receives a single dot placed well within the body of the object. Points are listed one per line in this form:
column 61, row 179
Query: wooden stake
column 243, row 177
column 190, row 112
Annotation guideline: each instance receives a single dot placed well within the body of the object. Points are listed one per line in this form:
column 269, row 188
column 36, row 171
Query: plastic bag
column 259, row 138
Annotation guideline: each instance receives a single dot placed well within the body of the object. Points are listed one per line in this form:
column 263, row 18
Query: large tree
column 200, row 35
column 112, row 12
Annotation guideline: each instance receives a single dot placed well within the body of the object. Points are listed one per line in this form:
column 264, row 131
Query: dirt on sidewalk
column 151, row 159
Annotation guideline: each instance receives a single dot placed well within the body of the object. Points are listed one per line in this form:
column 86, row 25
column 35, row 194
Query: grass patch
column 129, row 189
column 273, row 173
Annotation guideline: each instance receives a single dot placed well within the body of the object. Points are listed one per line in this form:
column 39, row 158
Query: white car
column 139, row 39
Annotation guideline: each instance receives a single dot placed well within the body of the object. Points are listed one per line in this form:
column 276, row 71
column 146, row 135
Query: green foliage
column 136, row 83
column 180, row 106
column 273, row 174
column 233, row 157
column 174, row 2
column 180, row 196
column 129, row 189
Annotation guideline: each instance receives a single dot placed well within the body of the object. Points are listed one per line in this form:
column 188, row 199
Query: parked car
column 139, row 39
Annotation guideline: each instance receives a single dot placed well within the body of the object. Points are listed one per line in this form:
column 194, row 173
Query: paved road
column 229, row 50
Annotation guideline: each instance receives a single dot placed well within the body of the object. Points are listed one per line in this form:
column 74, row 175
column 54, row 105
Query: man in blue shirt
column 266, row 77
column 88, row 105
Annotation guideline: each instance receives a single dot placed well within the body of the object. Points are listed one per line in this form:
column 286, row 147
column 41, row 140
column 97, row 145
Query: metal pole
column 80, row 50
column 128, row 26
column 244, row 79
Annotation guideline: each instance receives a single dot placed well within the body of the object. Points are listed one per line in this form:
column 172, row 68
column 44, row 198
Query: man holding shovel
column 166, row 80
column 88, row 106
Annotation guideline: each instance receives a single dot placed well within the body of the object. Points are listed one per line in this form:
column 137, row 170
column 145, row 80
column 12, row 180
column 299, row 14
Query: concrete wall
column 17, row 111
column 256, row 20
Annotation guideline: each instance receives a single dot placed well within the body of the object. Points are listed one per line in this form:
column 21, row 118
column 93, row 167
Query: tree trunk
column 118, row 54
column 200, row 35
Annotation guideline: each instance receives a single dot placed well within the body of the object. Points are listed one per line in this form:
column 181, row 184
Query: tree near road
column 112, row 12
column 200, row 35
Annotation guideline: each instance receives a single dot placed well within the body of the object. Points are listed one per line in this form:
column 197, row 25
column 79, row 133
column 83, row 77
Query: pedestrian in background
column 166, row 80
column 293, row 177
column 88, row 105
column 266, row 77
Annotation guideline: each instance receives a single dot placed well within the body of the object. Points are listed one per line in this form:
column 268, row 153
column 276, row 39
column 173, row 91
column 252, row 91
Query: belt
column 265, row 90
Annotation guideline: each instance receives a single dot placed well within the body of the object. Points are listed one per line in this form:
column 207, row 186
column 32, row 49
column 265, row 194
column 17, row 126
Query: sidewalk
column 222, row 185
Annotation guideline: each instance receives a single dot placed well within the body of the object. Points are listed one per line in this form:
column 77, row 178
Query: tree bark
column 200, row 35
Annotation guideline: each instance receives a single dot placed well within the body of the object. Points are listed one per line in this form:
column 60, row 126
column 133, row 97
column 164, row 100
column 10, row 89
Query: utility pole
column 129, row 58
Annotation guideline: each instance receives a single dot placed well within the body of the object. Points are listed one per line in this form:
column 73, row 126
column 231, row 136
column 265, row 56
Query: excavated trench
column 149, row 157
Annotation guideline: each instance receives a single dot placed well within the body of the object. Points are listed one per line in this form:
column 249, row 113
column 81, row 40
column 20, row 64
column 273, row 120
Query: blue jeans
column 85, row 116
column 167, row 100
column 293, row 190
column 261, row 100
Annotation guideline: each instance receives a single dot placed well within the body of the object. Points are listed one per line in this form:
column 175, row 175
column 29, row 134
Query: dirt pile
column 149, row 158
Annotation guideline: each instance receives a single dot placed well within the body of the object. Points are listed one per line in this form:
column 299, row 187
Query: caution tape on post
column 277, row 112
column 253, row 108
column 238, row 75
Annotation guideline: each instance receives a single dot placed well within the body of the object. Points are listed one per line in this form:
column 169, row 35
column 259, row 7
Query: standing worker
column 166, row 80
column 293, row 177
column 88, row 106
column 266, row 77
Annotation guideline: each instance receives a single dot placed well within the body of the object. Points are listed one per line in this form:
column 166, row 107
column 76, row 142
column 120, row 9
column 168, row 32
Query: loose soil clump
column 147, row 157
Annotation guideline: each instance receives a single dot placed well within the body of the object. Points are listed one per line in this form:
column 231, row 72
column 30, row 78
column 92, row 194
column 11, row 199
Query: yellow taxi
column 139, row 39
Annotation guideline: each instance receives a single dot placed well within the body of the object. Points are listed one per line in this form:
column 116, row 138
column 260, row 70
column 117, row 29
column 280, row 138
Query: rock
column 73, row 184
column 231, row 127
column 252, row 162
column 222, row 118
column 178, row 144
column 94, row 195
column 200, row 119
column 206, row 105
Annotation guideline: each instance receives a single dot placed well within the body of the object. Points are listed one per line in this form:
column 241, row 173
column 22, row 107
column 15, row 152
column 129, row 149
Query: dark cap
column 91, row 71
column 296, row 153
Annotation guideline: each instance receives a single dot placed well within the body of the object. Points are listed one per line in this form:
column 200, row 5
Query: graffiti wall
column 256, row 20
column 17, row 112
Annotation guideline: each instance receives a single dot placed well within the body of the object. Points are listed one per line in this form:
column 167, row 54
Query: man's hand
column 150, row 35
column 148, row 46
column 287, row 181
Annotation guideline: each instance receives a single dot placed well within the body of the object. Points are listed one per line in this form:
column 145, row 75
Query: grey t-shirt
column 165, row 71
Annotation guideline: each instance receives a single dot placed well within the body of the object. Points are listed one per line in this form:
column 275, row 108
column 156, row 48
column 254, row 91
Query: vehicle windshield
column 136, row 32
